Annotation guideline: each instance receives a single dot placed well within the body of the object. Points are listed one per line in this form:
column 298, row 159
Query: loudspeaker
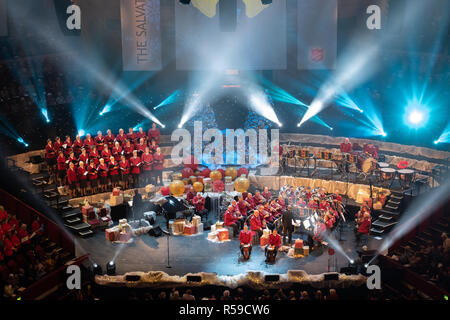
column 193, row 278
column 272, row 278
column 228, row 15
column 119, row 212
column 331, row 276
column 348, row 270
column 185, row 1
column 155, row 232
column 132, row 277
column 207, row 225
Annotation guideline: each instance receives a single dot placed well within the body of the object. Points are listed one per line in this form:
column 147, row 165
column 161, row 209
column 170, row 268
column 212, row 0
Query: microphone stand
column 168, row 248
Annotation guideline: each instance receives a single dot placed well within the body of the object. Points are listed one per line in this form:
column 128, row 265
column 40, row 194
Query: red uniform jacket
column 135, row 165
column 117, row 153
column 77, row 145
column 258, row 199
column 72, row 176
column 121, row 138
column 57, row 145
column 199, row 203
column 364, row 227
column 267, row 195
column 158, row 161
column 346, row 147
column 154, row 134
column 124, row 167
column 243, row 207
column 128, row 151
column 94, row 156
column 23, row 234
column 61, row 161
column 84, row 158
column 103, row 170
column 36, row 227
column 89, row 143
column 255, row 223
column 229, row 218
column 81, row 173
column 131, row 136
column 68, row 149
column 99, row 142
column 114, row 168
column 50, row 152
column 140, row 135
column 245, row 237
column 147, row 160
column 141, row 148
column 275, row 240
column 106, row 155
column 92, row 173
column 109, row 139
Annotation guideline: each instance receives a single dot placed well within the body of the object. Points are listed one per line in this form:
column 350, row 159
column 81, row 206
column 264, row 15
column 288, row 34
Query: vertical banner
column 317, row 34
column 3, row 18
column 141, row 35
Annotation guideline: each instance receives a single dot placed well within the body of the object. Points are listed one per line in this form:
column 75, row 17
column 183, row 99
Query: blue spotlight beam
column 172, row 98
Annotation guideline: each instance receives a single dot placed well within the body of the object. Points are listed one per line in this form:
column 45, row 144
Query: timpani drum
column 387, row 173
column 270, row 255
column 338, row 156
column 246, row 251
column 383, row 165
column 406, row 176
column 368, row 165
column 325, row 155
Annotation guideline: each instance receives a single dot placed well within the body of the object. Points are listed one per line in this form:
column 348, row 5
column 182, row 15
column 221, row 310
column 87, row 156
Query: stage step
column 394, row 202
column 389, row 213
column 85, row 233
column 50, row 195
column 386, row 218
column 397, row 197
column 390, row 207
column 72, row 221
column 71, row 215
column 79, row 227
column 377, row 231
column 383, row 224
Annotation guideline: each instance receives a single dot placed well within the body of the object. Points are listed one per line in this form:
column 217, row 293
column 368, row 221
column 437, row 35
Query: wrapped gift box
column 112, row 234
column 213, row 235
column 306, row 250
column 200, row 228
column 171, row 226
column 264, row 241
column 229, row 187
column 179, row 226
column 85, row 210
column 223, row 235
column 115, row 200
column 196, row 220
column 266, row 233
column 228, row 179
column 298, row 244
column 190, row 229
column 213, row 228
column 219, row 225
column 298, row 251
column 124, row 237
column 116, row 192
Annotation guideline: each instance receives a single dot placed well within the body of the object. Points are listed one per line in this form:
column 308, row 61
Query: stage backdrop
column 3, row 18
column 141, row 35
column 316, row 34
column 232, row 34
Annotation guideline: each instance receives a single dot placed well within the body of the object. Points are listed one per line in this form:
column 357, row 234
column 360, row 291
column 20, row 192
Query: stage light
column 106, row 109
column 436, row 141
column 170, row 99
column 81, row 133
column 331, row 129
column 22, row 142
column 352, row 261
column 366, row 265
column 111, row 268
column 45, row 113
column 415, row 117
column 97, row 269
column 384, row 134
column 260, row 104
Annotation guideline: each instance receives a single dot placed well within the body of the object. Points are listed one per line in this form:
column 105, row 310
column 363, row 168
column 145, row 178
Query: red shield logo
column 316, row 54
